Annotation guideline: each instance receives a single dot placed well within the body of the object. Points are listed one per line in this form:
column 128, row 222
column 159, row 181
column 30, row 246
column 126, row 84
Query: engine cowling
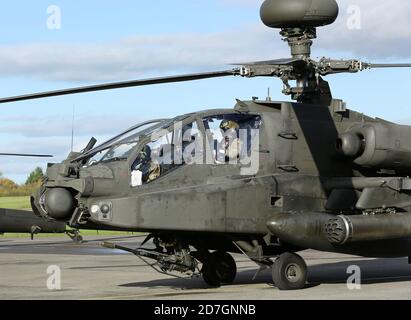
column 379, row 146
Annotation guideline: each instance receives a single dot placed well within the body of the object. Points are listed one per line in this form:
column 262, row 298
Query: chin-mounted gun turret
column 57, row 198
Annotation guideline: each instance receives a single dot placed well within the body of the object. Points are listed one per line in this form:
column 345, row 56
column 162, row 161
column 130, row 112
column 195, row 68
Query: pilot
column 144, row 169
column 231, row 143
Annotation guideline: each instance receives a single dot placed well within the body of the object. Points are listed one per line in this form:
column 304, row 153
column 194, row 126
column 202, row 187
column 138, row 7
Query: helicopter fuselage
column 308, row 170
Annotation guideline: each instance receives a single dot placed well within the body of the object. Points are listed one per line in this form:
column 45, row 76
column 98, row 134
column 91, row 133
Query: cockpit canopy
column 171, row 143
column 119, row 146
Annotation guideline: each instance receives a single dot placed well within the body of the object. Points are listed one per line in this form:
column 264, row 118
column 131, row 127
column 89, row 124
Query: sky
column 106, row 40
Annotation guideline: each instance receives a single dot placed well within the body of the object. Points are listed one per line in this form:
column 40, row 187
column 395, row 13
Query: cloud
column 59, row 126
column 18, row 168
column 385, row 33
column 51, row 134
column 133, row 56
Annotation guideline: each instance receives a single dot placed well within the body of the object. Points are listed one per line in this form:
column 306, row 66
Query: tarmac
column 89, row 272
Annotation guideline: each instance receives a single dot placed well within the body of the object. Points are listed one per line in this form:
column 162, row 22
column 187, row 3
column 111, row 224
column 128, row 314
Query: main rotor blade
column 26, row 155
column 388, row 65
column 277, row 62
column 124, row 84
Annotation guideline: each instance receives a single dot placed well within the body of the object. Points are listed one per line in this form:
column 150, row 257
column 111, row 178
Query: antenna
column 268, row 95
column 72, row 130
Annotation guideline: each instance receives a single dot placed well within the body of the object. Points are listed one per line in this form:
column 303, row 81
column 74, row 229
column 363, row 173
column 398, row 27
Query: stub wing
column 20, row 221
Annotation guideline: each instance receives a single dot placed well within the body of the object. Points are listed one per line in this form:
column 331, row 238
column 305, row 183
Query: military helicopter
column 320, row 177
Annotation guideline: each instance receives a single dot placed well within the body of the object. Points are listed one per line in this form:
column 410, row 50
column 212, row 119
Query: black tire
column 219, row 268
column 289, row 272
column 209, row 272
column 226, row 268
column 77, row 239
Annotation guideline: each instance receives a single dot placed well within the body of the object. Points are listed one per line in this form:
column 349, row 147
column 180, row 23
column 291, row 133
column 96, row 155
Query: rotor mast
column 298, row 20
column 299, row 40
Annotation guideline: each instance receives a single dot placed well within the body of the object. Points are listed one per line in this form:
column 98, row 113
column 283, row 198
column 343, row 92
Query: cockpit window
column 167, row 151
column 153, row 130
column 119, row 152
column 231, row 136
column 113, row 148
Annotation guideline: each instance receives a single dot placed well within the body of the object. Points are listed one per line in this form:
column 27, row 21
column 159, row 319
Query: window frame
column 141, row 144
column 207, row 142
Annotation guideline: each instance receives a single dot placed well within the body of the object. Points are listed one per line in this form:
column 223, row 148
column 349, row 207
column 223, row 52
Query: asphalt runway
column 89, row 271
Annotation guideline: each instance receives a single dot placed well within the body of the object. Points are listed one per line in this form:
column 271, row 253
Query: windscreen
column 120, row 147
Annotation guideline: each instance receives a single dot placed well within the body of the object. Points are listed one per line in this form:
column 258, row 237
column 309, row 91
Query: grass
column 84, row 233
column 23, row 203
column 19, row 203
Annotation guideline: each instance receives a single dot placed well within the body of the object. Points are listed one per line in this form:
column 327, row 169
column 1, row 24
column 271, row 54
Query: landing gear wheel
column 289, row 272
column 78, row 239
column 219, row 268
column 226, row 267
column 209, row 272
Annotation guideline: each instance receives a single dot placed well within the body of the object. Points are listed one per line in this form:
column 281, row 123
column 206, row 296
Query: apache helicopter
column 327, row 178
column 21, row 221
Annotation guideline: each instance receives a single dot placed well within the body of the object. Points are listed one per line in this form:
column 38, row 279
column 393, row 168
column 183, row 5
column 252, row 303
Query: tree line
column 8, row 188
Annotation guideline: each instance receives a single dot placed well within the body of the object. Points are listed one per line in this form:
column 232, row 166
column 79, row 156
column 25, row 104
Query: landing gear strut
column 219, row 268
column 75, row 236
column 289, row 272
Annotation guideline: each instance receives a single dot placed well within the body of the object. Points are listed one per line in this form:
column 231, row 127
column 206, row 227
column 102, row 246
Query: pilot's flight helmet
column 145, row 153
column 229, row 124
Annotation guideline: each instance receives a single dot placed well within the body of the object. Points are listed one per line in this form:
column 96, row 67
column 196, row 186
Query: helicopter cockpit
column 211, row 139
column 158, row 147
